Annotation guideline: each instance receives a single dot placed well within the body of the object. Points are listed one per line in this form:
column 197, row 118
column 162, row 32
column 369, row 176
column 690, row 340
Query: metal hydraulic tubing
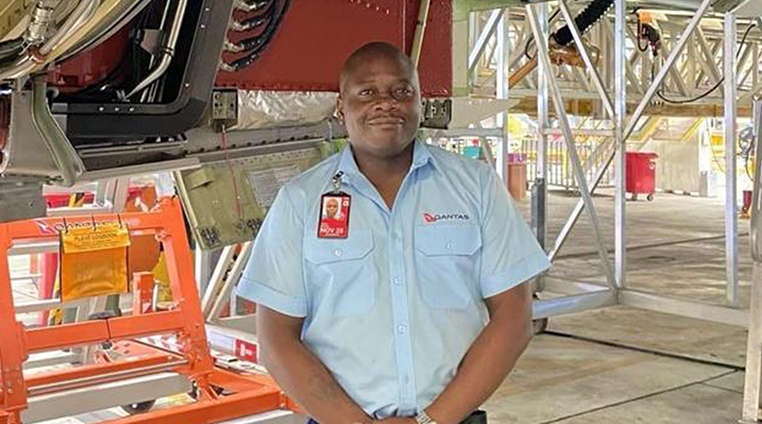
column 67, row 161
column 167, row 51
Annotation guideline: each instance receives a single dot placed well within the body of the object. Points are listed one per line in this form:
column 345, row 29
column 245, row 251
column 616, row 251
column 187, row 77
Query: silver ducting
column 270, row 109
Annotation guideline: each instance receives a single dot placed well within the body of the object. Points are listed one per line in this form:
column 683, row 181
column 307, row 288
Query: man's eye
column 405, row 91
column 366, row 92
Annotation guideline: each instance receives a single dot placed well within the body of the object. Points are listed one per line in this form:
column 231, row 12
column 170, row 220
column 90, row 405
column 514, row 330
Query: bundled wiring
column 267, row 8
column 251, row 6
column 255, row 46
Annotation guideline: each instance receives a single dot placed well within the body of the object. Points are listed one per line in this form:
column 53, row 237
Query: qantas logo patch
column 430, row 218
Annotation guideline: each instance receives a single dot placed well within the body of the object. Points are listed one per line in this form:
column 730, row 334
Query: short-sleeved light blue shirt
column 392, row 309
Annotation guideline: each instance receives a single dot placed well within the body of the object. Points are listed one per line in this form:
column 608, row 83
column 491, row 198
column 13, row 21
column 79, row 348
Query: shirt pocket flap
column 322, row 251
column 442, row 240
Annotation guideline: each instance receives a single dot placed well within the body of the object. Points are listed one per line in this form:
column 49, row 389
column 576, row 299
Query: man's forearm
column 305, row 379
column 487, row 363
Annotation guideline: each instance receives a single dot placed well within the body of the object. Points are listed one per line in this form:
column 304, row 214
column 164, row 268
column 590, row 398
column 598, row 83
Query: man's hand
column 396, row 420
column 301, row 374
column 490, row 358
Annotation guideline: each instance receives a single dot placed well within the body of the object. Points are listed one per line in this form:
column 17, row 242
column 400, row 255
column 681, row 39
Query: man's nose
column 386, row 101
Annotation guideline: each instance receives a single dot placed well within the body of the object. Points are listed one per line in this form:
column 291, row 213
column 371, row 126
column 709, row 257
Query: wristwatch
column 424, row 418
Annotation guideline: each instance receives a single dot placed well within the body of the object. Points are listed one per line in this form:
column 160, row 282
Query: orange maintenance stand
column 219, row 394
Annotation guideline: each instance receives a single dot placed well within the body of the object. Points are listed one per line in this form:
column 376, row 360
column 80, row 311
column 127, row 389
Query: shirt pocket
column 446, row 264
column 341, row 274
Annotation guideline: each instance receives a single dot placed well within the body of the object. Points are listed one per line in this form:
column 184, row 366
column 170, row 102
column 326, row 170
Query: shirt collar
column 421, row 157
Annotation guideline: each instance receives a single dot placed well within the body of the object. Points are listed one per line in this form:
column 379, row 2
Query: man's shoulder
column 453, row 163
column 315, row 178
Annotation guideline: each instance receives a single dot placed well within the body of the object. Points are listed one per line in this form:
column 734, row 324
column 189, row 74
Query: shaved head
column 377, row 50
column 379, row 102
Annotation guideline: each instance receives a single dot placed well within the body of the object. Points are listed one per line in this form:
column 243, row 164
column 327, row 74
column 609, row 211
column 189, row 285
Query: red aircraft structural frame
column 251, row 394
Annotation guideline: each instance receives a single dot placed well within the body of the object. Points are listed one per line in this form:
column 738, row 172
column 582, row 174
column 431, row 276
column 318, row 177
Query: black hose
column 11, row 47
column 705, row 94
column 585, row 20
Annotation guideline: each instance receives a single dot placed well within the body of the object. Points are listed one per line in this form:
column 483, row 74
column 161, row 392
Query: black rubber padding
column 585, row 20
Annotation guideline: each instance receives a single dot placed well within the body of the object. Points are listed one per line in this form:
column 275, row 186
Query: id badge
column 334, row 216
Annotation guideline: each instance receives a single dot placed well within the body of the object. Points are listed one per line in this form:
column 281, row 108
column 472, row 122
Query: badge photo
column 334, row 216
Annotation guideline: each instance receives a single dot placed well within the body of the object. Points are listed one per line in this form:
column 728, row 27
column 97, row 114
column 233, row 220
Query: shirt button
column 450, row 245
column 337, row 252
column 397, row 281
column 402, row 329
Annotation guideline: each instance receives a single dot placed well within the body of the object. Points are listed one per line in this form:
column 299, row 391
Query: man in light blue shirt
column 419, row 313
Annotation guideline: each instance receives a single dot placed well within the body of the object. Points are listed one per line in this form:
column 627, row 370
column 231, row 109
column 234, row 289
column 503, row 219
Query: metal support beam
column 753, row 383
column 620, row 88
column 671, row 60
column 502, row 94
column 677, row 78
column 420, row 31
column 230, row 282
column 574, row 216
column 558, row 102
column 686, row 308
column 582, row 49
column 106, row 395
column 540, row 188
column 731, row 125
column 203, row 267
column 710, row 68
column 575, row 303
column 217, row 280
column 484, row 36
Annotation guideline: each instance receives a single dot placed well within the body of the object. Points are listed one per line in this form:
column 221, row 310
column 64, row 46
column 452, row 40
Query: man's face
column 331, row 207
column 380, row 103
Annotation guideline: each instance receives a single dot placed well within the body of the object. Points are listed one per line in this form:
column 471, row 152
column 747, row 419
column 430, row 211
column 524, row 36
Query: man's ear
column 339, row 113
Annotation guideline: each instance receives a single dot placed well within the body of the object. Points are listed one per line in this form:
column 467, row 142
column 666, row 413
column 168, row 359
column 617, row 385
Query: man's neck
column 386, row 174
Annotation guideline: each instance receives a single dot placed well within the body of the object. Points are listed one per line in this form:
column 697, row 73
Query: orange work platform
column 219, row 394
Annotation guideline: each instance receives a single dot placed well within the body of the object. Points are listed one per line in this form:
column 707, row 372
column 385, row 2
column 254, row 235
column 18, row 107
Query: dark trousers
column 478, row 417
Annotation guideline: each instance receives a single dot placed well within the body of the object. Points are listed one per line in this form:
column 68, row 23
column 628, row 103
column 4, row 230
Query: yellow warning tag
column 94, row 261
column 89, row 239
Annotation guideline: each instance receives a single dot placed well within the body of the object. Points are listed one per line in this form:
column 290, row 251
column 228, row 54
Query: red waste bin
column 641, row 174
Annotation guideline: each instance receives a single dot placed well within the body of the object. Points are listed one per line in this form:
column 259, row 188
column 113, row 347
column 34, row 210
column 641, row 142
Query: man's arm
column 490, row 359
column 300, row 373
